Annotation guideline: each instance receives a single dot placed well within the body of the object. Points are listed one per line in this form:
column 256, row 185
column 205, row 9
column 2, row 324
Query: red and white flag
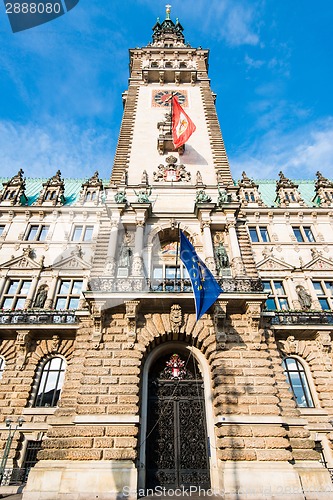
column 182, row 125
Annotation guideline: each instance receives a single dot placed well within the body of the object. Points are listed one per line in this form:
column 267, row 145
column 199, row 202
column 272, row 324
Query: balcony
column 305, row 318
column 132, row 284
column 37, row 317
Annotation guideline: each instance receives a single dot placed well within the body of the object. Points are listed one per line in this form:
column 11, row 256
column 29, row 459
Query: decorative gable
column 319, row 263
column 71, row 263
column 324, row 191
column 24, row 261
column 271, row 263
column 13, row 192
column 52, row 193
column 287, row 192
column 91, row 189
column 248, row 192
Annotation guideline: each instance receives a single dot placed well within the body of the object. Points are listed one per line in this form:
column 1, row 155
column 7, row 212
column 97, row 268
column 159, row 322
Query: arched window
column 50, row 381
column 2, row 366
column 296, row 376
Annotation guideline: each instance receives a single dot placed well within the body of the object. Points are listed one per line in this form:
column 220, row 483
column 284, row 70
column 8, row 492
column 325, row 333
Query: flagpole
column 177, row 248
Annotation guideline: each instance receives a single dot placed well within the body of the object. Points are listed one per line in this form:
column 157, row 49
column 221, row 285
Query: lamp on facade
column 12, row 428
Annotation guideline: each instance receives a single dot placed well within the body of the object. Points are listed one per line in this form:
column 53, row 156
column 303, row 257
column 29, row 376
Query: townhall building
column 109, row 385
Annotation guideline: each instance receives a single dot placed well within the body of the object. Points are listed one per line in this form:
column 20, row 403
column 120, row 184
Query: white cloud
column 299, row 154
column 43, row 149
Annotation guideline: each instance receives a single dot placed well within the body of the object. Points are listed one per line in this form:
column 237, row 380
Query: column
column 2, row 285
column 32, row 291
column 237, row 263
column 208, row 246
column 137, row 264
column 51, row 292
column 112, row 247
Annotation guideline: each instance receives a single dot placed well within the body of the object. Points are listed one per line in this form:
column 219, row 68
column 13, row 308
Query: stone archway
column 174, row 443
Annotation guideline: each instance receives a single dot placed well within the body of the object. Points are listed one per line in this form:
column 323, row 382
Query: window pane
column 77, row 233
column 317, row 286
column 283, row 303
column 88, row 233
column 61, row 303
column 13, row 287
column 329, row 286
column 32, row 233
column 308, row 234
column 25, row 287
column 270, row 305
column 298, row 234
column 158, row 273
column 77, row 287
column 170, row 272
column 2, row 228
column 64, row 287
column 43, row 233
column 324, row 304
column 296, row 376
column 73, row 303
column 264, row 234
column 278, row 285
column 20, row 303
column 267, row 286
column 253, row 234
column 7, row 303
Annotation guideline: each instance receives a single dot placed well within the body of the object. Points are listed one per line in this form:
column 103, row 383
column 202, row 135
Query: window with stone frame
column 49, row 381
column 324, row 291
column 303, row 234
column 91, row 195
column 68, row 294
column 2, row 229
column 168, row 273
column 277, row 298
column 15, row 294
column 82, row 233
column 2, row 366
column 297, row 379
column 30, row 456
column 259, row 234
column 37, row 232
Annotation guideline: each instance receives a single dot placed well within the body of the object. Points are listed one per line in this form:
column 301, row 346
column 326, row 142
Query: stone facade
column 93, row 296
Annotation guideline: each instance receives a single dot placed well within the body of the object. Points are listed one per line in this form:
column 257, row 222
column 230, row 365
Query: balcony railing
column 15, row 476
column 301, row 317
column 37, row 317
column 114, row 285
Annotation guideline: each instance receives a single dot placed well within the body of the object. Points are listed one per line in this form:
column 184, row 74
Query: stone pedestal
column 82, row 480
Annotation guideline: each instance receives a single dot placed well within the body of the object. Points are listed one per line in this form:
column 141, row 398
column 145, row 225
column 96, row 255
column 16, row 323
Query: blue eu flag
column 205, row 287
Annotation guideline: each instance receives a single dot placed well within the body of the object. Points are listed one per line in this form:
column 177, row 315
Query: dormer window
column 249, row 196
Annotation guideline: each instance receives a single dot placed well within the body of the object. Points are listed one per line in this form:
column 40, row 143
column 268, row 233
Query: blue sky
column 271, row 65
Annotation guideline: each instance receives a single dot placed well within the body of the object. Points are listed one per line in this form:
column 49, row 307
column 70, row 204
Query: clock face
column 162, row 97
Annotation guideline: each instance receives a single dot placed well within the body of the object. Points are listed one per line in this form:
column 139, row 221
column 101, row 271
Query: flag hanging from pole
column 205, row 287
column 182, row 125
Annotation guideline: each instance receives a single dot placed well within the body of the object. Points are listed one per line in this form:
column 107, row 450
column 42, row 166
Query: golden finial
column 168, row 10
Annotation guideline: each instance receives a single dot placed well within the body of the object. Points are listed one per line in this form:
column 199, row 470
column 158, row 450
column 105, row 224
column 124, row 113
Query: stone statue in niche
column 41, row 297
column 125, row 257
column 222, row 259
column 222, row 197
column 304, row 297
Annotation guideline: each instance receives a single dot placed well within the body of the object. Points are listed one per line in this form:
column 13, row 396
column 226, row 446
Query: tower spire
column 168, row 10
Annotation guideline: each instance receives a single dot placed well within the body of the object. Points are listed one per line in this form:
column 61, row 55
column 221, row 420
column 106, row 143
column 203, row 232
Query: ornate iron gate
column 177, row 448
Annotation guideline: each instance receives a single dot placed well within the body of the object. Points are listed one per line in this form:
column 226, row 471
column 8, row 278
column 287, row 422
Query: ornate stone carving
column 131, row 315
column 253, row 314
column 41, row 296
column 91, row 189
column 287, row 192
column 238, row 266
column 324, row 191
column 304, row 297
column 24, row 344
column 220, row 316
column 290, row 345
column 120, row 197
column 176, row 318
column 13, row 191
column 202, row 197
column 171, row 172
column 97, row 313
column 55, row 344
column 137, row 266
column 143, row 195
column 53, row 191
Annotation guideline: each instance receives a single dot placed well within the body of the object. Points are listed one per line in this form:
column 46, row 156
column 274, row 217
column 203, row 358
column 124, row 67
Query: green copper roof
column 33, row 187
column 267, row 190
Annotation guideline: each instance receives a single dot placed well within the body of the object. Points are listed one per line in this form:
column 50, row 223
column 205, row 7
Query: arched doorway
column 176, row 440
